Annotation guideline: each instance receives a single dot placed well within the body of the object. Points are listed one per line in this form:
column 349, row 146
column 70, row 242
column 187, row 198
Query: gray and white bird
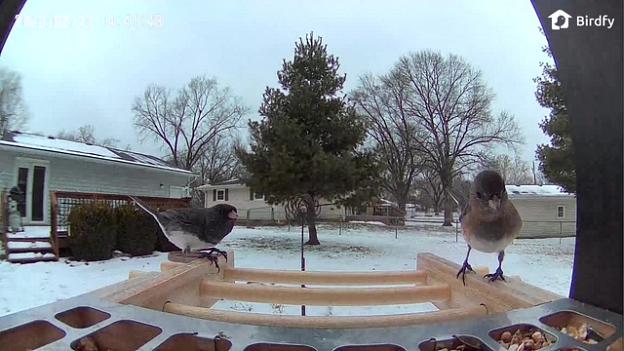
column 195, row 229
column 490, row 221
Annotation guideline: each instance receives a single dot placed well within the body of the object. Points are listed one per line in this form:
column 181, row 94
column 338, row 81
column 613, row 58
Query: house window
column 258, row 196
column 560, row 211
column 221, row 195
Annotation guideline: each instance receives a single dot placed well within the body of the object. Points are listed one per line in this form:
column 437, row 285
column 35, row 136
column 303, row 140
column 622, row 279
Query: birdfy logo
column 561, row 20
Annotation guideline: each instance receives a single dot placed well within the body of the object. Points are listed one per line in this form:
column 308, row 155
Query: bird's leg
column 465, row 266
column 499, row 271
column 211, row 250
column 210, row 256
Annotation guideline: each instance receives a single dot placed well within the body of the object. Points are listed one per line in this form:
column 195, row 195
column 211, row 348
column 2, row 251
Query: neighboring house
column 252, row 206
column 378, row 210
column 546, row 210
column 38, row 165
column 380, row 207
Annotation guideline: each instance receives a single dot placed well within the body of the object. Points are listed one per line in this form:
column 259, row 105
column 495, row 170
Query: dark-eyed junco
column 195, row 229
column 490, row 221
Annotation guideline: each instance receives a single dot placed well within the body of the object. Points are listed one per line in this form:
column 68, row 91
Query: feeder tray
column 171, row 310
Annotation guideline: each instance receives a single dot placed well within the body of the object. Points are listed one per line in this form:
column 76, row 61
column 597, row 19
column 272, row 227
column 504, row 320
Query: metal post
column 456, row 230
column 396, row 232
column 303, row 309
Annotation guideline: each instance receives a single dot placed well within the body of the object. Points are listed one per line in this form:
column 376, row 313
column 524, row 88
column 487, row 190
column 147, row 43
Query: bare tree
column 13, row 111
column 188, row 122
column 381, row 101
column 514, row 170
column 431, row 189
column 538, row 176
column 86, row 134
column 217, row 163
column 461, row 191
column 447, row 98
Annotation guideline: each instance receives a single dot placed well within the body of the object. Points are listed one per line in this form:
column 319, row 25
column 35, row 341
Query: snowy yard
column 546, row 263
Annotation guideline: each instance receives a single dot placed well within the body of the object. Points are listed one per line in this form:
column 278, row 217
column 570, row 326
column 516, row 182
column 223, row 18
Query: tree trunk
column 311, row 219
column 312, row 235
column 447, row 182
column 401, row 205
column 448, row 211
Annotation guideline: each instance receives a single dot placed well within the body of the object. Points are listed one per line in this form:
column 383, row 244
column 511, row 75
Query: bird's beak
column 494, row 203
column 233, row 215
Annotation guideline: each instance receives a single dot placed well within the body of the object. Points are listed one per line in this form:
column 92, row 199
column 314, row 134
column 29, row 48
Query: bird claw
column 466, row 266
column 496, row 275
column 209, row 254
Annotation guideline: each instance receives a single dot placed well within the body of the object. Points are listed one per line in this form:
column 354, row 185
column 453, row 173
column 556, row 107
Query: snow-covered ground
column 546, row 263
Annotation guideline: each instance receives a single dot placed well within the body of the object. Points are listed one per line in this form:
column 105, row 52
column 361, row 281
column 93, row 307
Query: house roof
column 533, row 190
column 98, row 152
column 232, row 183
column 388, row 203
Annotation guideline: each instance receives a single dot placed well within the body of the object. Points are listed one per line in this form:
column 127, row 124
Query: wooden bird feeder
column 171, row 309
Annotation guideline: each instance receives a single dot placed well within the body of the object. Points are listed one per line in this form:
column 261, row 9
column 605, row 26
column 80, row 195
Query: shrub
column 136, row 231
column 92, row 231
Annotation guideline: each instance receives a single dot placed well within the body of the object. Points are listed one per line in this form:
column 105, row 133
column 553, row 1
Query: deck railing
column 61, row 204
column 4, row 219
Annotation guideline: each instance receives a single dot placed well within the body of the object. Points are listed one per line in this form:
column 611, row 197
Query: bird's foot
column 496, row 275
column 462, row 271
column 210, row 255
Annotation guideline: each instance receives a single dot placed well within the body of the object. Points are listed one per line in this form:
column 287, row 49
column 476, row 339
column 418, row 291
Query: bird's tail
column 143, row 206
column 148, row 210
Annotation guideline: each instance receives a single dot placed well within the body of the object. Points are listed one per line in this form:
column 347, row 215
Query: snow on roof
column 67, row 147
column 385, row 202
column 232, row 183
column 536, row 190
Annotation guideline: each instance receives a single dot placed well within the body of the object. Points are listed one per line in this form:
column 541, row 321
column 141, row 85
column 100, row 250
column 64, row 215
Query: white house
column 252, row 206
column 38, row 165
column 546, row 210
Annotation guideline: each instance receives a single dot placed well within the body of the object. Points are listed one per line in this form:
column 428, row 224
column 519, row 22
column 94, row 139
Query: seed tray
column 61, row 325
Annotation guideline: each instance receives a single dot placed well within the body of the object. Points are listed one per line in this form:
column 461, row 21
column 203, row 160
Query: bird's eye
column 478, row 195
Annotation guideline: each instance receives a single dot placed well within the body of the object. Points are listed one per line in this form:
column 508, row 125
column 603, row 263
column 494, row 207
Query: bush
column 92, row 231
column 136, row 231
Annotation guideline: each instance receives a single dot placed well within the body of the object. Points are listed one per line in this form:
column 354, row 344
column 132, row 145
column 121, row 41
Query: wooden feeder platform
column 172, row 310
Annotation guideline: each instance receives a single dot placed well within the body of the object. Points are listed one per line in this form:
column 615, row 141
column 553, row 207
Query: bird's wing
column 513, row 220
column 207, row 224
column 184, row 219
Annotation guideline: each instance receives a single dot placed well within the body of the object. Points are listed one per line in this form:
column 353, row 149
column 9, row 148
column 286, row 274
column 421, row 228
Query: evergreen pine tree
column 556, row 159
column 308, row 144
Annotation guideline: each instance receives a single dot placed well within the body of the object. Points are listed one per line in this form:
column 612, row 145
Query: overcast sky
column 84, row 62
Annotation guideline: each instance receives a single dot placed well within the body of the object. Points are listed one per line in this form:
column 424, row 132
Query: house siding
column 81, row 174
column 7, row 170
column 539, row 216
column 239, row 197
